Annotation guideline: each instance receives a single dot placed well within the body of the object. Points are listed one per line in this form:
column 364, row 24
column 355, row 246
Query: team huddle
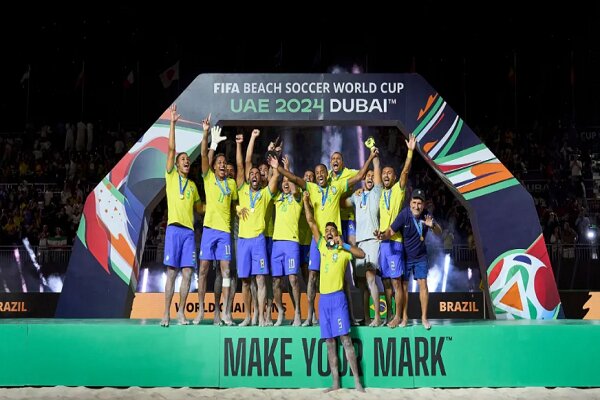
column 284, row 225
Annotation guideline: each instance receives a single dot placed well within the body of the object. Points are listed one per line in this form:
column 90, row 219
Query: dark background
column 505, row 66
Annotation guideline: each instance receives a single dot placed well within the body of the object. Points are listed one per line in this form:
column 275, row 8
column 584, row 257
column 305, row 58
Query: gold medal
column 422, row 238
column 181, row 196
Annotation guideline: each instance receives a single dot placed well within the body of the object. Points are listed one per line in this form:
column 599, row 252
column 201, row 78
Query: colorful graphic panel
column 504, row 220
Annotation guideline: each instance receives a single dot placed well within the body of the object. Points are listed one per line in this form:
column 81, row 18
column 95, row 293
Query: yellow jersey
column 333, row 267
column 270, row 220
column 219, row 194
column 389, row 206
column 182, row 194
column 287, row 215
column 346, row 213
column 326, row 202
column 256, row 203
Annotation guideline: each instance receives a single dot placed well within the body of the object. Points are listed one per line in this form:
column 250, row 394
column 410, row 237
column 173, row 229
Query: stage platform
column 51, row 352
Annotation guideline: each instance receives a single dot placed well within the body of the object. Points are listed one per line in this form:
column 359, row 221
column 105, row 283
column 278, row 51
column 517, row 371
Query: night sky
column 470, row 61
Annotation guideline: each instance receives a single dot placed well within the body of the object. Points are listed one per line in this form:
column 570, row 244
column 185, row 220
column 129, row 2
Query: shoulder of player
column 209, row 174
column 377, row 189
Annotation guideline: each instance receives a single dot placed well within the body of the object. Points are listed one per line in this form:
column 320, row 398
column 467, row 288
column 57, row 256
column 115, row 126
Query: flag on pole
column 169, row 75
column 25, row 76
column 129, row 80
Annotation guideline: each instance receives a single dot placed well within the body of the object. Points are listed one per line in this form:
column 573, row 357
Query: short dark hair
column 178, row 155
column 338, row 152
column 217, row 156
column 332, row 224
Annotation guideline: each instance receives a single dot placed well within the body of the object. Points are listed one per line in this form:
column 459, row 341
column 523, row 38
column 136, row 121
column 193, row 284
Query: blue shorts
column 334, row 318
column 180, row 247
column 252, row 257
column 419, row 269
column 391, row 259
column 314, row 257
column 348, row 229
column 215, row 245
column 285, row 259
column 305, row 253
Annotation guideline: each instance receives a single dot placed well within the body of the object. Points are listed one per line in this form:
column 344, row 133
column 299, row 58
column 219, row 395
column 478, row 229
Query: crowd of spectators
column 47, row 173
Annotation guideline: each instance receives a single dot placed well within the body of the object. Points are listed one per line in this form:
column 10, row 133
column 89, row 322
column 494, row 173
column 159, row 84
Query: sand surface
column 62, row 392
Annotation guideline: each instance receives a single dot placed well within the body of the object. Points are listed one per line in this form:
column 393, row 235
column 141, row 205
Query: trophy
column 370, row 142
column 275, row 149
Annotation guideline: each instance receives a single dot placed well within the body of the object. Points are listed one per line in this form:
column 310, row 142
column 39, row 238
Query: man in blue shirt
column 414, row 222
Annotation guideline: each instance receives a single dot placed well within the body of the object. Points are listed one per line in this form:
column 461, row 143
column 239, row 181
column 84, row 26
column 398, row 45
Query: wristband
column 409, row 154
column 346, row 247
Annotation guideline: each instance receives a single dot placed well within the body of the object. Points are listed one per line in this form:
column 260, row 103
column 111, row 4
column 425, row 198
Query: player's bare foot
column 426, row 324
column 228, row 321
column 279, row 320
column 315, row 320
column 164, row 322
column 268, row 322
column 394, row 323
column 308, row 322
column 375, row 323
column 297, row 321
column 403, row 323
column 331, row 389
column 255, row 320
column 359, row 387
column 217, row 320
column 198, row 318
column 181, row 320
column 245, row 322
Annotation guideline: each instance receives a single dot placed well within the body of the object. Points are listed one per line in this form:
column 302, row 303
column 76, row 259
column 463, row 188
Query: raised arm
column 310, row 218
column 377, row 171
column 274, row 163
column 363, row 171
column 211, row 156
column 239, row 178
column 204, row 145
column 296, row 180
column 171, row 151
column 286, row 162
column 434, row 226
column 411, row 143
column 249, row 151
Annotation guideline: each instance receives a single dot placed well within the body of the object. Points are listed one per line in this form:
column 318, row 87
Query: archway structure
column 103, row 269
